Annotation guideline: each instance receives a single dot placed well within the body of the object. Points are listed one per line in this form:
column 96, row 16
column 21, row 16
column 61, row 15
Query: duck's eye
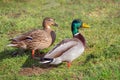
column 50, row 20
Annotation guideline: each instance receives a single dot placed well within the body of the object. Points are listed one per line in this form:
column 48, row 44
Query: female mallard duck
column 36, row 39
column 68, row 49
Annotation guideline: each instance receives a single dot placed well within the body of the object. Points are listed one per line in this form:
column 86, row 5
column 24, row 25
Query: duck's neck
column 50, row 33
column 46, row 26
column 75, row 31
column 80, row 37
column 47, row 29
column 76, row 34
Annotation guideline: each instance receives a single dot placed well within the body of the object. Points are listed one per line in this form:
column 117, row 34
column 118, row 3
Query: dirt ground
column 33, row 71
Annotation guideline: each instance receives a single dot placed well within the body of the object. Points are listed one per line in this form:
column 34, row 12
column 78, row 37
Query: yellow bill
column 84, row 25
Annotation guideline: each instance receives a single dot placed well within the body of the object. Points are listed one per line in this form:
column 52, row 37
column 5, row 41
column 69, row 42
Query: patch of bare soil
column 33, row 71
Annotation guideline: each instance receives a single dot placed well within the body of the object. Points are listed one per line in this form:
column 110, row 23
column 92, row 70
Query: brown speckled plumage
column 36, row 39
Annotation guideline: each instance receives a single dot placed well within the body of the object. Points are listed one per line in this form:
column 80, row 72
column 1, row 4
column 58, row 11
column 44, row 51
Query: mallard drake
column 36, row 39
column 68, row 49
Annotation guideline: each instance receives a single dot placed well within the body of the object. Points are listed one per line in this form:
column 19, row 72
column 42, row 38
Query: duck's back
column 35, row 39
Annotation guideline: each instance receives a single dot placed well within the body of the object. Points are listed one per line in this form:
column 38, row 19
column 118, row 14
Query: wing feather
column 61, row 47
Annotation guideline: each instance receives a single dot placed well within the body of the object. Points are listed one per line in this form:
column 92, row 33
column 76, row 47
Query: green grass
column 101, row 59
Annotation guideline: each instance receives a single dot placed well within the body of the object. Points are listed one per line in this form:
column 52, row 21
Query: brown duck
column 36, row 39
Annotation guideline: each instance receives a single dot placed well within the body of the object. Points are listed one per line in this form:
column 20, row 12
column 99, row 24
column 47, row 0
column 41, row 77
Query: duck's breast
column 81, row 38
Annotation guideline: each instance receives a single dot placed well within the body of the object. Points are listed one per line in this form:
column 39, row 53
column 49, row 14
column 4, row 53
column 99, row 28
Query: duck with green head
column 68, row 49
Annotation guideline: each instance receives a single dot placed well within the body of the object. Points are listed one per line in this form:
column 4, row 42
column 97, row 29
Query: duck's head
column 47, row 22
column 76, row 24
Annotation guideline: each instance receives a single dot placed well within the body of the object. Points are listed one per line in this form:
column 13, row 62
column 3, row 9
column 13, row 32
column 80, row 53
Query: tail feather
column 14, row 40
column 46, row 60
column 12, row 45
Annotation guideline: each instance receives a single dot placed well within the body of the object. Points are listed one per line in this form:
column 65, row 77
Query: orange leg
column 33, row 52
column 68, row 64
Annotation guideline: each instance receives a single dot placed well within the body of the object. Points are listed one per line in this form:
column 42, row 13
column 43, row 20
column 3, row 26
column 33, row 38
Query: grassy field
column 101, row 59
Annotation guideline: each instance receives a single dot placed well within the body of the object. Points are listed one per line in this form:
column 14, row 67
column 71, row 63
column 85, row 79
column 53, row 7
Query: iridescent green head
column 76, row 24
